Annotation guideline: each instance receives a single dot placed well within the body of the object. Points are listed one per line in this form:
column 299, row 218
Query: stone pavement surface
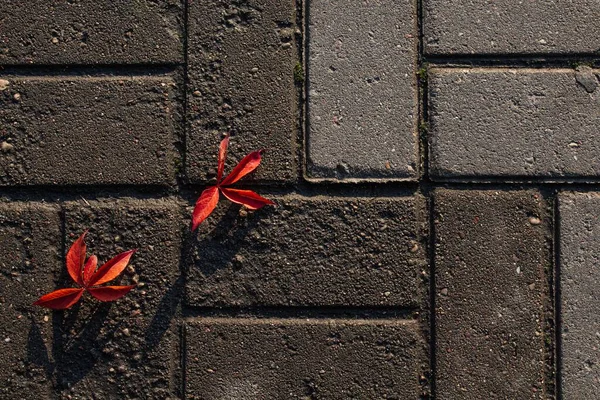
column 435, row 166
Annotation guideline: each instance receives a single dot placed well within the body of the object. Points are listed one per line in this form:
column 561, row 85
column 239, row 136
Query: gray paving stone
column 91, row 32
column 241, row 80
column 86, row 130
column 514, row 123
column 301, row 359
column 310, row 251
column 362, row 94
column 579, row 276
column 491, row 251
column 30, row 260
column 130, row 344
column 511, row 27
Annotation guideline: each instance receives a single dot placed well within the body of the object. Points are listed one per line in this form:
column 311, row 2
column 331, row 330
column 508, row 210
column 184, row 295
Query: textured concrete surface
column 302, row 359
column 508, row 123
column 91, row 32
column 310, row 251
column 30, row 259
column 241, row 80
column 362, row 95
column 125, row 349
column 511, row 27
column 86, row 130
column 579, row 276
column 491, row 250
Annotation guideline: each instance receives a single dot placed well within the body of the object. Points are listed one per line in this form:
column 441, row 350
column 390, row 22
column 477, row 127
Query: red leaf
column 247, row 165
column 60, row 299
column 222, row 157
column 205, row 205
column 76, row 258
column 89, row 269
column 110, row 293
column 111, row 269
column 246, row 197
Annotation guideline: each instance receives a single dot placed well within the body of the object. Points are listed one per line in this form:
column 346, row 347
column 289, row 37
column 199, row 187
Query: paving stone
column 91, row 32
column 511, row 27
column 242, row 57
column 309, row 251
column 86, row 130
column 579, row 275
column 513, row 123
column 300, row 359
column 362, row 89
column 30, row 260
column 491, row 253
column 131, row 344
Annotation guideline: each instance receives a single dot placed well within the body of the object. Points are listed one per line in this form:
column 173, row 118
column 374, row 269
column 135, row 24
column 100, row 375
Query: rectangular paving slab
column 61, row 130
column 309, row 251
column 362, row 90
column 579, row 301
column 130, row 344
column 241, row 61
column 498, row 123
column 91, row 32
column 302, row 359
column 491, row 252
column 511, row 27
column 30, row 261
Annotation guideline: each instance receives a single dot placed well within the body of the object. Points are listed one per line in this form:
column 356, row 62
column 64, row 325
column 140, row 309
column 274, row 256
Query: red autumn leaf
column 90, row 268
column 247, row 165
column 205, row 205
column 88, row 278
column 247, row 197
column 110, row 293
column 222, row 157
column 60, row 299
column 111, row 269
column 210, row 197
column 76, row 258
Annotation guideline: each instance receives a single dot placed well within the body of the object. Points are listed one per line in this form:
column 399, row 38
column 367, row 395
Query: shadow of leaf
column 165, row 312
column 37, row 352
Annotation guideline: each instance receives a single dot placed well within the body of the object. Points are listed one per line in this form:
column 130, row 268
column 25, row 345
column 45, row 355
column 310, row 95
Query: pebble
column 586, row 78
column 196, row 93
column 54, row 40
column 4, row 84
column 17, row 97
column 7, row 340
column 6, row 147
column 535, row 221
column 445, row 292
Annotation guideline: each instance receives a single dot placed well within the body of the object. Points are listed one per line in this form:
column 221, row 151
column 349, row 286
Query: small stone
column 574, row 145
column 4, row 84
column 6, row 147
column 17, row 97
column 254, row 70
column 535, row 221
column 54, row 40
column 243, row 213
column 196, row 93
column 7, row 340
column 444, row 292
column 586, row 78
column 126, row 332
column 46, row 318
column 121, row 368
column 414, row 247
